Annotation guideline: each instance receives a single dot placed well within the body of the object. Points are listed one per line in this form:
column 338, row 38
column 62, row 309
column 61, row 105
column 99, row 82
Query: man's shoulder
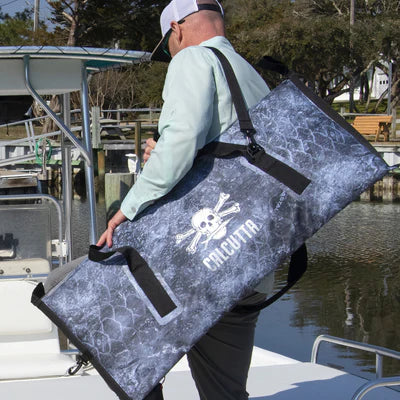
column 193, row 54
column 193, row 60
column 191, row 64
column 201, row 55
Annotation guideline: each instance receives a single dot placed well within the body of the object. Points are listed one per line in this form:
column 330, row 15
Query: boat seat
column 29, row 343
column 24, row 266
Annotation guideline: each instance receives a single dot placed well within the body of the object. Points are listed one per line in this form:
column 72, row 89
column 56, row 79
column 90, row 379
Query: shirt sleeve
column 186, row 117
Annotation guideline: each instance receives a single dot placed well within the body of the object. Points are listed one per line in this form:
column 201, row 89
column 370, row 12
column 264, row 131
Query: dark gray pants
column 220, row 360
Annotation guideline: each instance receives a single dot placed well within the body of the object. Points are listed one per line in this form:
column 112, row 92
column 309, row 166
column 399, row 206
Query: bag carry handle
column 143, row 275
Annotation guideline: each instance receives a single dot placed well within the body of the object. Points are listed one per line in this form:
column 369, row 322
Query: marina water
column 351, row 288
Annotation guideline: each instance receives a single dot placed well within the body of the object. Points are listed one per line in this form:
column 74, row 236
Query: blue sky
column 13, row 6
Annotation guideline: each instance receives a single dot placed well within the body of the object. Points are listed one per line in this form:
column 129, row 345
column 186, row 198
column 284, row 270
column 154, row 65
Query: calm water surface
column 351, row 288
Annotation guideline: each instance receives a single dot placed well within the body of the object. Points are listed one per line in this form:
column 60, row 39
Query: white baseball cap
column 176, row 10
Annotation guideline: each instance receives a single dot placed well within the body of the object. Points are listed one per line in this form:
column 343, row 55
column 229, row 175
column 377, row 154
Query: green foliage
column 150, row 81
column 315, row 39
column 130, row 25
column 313, row 45
column 105, row 23
column 18, row 30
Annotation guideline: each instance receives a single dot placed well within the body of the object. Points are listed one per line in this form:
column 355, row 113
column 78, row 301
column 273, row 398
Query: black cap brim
column 159, row 53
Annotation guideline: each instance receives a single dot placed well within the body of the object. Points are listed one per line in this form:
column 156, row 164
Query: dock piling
column 117, row 185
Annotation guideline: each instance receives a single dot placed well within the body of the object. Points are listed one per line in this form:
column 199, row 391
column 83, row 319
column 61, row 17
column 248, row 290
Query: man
column 197, row 109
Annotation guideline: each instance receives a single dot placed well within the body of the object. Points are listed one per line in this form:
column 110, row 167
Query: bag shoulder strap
column 246, row 126
column 253, row 152
column 291, row 178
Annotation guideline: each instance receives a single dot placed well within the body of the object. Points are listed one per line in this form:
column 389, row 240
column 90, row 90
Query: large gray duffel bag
column 235, row 217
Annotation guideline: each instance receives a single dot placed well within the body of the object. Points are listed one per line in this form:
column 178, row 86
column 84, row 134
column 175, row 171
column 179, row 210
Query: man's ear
column 177, row 29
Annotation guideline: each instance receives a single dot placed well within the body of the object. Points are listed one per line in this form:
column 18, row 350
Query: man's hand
column 150, row 144
column 106, row 237
column 118, row 218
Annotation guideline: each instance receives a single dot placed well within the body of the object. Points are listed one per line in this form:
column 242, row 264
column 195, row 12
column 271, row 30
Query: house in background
column 378, row 83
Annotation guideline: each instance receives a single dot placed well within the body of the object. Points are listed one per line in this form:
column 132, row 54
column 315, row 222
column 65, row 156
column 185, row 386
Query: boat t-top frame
column 50, row 70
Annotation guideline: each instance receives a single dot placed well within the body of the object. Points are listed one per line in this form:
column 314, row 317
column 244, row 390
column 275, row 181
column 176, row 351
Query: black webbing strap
column 267, row 163
column 143, row 275
column 209, row 7
column 246, row 126
column 271, row 64
column 254, row 153
column 257, row 156
column 297, row 267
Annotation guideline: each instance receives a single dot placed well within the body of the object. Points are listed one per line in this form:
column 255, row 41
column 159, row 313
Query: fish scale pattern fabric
column 211, row 240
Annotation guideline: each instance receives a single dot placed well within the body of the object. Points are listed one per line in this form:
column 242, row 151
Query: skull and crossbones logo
column 208, row 222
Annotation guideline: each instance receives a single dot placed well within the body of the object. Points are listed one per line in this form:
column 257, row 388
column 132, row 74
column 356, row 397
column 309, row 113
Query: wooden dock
column 110, row 158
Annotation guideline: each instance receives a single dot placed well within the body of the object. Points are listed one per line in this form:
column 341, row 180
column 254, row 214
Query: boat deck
column 275, row 377
column 271, row 377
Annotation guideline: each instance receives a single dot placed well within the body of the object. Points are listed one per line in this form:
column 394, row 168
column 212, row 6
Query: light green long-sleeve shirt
column 197, row 108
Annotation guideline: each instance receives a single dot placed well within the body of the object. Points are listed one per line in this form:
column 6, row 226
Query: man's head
column 188, row 23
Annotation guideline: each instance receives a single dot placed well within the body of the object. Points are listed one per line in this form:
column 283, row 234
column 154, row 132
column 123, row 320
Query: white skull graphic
column 208, row 222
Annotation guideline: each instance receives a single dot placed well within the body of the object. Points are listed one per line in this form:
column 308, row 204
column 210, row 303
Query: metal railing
column 379, row 352
column 377, row 383
column 119, row 111
column 31, row 138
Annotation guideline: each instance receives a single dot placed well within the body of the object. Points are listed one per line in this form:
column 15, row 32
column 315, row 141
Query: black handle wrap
column 288, row 176
column 143, row 275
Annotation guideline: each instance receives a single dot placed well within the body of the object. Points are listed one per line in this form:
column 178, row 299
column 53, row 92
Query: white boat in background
column 36, row 361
